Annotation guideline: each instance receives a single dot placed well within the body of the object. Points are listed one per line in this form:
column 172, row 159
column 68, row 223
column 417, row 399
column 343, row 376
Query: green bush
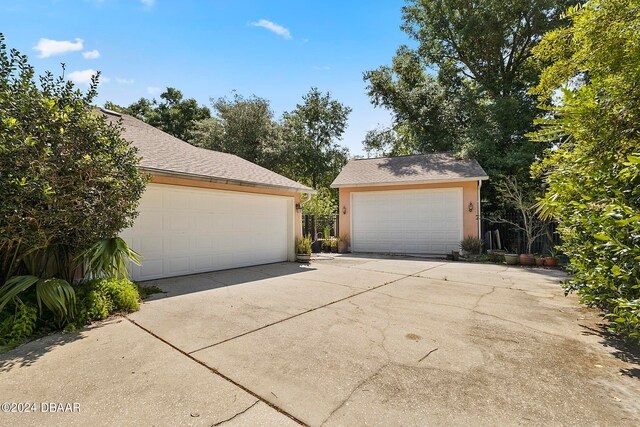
column 17, row 323
column 69, row 178
column 590, row 90
column 472, row 245
column 99, row 298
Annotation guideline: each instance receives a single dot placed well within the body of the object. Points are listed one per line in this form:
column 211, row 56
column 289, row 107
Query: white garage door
column 406, row 221
column 184, row 230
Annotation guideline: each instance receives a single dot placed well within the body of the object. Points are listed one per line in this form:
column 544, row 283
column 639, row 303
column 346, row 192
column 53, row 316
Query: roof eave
column 205, row 178
column 427, row 181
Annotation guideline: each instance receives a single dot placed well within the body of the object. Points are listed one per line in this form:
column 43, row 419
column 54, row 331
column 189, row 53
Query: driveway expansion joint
column 221, row 375
column 314, row 309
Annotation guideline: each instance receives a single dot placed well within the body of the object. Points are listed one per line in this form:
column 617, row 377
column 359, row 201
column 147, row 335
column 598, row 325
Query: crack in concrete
column 238, row 414
column 313, row 309
column 474, row 310
column 482, row 296
column 427, row 355
column 356, row 388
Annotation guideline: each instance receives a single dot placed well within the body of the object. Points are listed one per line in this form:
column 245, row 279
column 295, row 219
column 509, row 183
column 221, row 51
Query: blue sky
column 273, row 49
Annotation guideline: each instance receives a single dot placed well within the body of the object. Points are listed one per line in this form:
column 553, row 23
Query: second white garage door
column 407, row 221
column 185, row 230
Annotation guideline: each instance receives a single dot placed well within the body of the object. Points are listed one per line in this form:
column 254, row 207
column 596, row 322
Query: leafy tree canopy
column 311, row 132
column 591, row 93
column 463, row 88
column 244, row 127
column 172, row 113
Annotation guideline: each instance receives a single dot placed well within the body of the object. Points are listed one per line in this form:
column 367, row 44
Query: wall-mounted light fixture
column 344, row 210
column 298, row 207
column 470, row 207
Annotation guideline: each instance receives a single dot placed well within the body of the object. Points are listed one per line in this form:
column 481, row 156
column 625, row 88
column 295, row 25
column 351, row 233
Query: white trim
column 213, row 179
column 479, row 211
column 350, row 221
column 428, row 181
column 462, row 213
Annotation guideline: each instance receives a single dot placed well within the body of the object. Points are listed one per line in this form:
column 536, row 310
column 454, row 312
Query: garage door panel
column 184, row 230
column 407, row 221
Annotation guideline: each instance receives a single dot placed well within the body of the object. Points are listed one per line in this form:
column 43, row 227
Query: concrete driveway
column 348, row 341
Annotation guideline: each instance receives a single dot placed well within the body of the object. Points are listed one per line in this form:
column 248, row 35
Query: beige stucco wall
column 469, row 195
column 297, row 215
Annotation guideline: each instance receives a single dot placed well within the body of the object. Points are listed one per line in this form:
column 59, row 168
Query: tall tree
column 244, row 127
column 311, row 132
column 172, row 113
column 464, row 88
column 591, row 93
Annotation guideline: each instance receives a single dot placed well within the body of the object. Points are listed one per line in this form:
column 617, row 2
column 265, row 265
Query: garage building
column 419, row 204
column 204, row 210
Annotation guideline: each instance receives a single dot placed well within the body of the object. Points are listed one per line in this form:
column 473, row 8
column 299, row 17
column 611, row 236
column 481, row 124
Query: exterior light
column 298, row 207
column 470, row 206
column 344, row 210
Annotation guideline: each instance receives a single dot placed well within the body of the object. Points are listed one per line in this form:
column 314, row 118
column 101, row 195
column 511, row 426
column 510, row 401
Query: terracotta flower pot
column 527, row 259
column 539, row 262
column 551, row 262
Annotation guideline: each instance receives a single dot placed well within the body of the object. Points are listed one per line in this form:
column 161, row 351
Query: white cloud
column 148, row 3
column 91, row 54
column 83, row 77
column 272, row 26
column 48, row 47
column 153, row 90
column 124, row 81
column 322, row 67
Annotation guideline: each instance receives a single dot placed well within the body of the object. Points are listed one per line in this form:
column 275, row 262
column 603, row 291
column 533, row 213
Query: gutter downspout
column 479, row 211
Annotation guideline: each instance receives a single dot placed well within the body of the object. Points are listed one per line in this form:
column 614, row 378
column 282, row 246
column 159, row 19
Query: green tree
column 172, row 113
column 464, row 87
column 311, row 132
column 244, row 127
column 69, row 180
column 590, row 91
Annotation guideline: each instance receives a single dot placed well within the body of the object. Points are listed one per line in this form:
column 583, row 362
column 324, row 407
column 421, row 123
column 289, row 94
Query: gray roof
column 164, row 154
column 416, row 169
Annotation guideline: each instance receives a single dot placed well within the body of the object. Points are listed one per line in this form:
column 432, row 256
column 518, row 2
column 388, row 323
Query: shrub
column 471, row 245
column 590, row 90
column 99, row 298
column 17, row 324
column 68, row 177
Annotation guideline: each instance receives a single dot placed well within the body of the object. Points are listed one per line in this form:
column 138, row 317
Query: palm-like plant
column 56, row 294
column 43, row 267
column 109, row 258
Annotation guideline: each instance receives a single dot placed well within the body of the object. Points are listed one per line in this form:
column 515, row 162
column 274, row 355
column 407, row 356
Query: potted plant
column 326, row 242
column 539, row 260
column 343, row 244
column 496, row 255
column 471, row 247
column 334, row 245
column 524, row 201
column 303, row 249
column 552, row 259
column 527, row 259
column 511, row 259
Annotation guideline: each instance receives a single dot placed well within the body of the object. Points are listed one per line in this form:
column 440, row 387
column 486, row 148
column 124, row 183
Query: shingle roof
column 162, row 152
column 420, row 168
